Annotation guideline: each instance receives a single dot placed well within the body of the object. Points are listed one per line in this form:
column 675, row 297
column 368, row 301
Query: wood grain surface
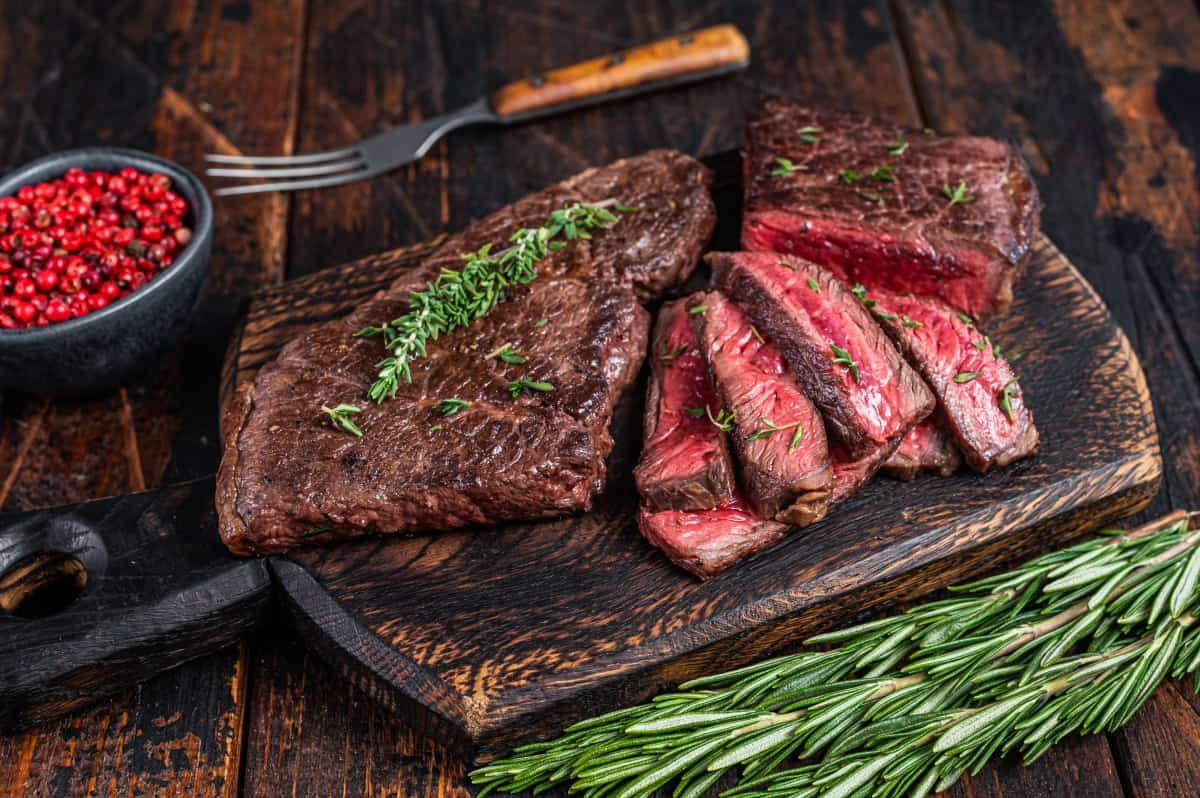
column 1101, row 97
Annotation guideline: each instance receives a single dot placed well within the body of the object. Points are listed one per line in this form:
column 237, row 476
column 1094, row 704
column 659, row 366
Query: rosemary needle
column 1073, row 641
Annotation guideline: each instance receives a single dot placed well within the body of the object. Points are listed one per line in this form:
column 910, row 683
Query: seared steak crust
column 929, row 446
column 895, row 229
column 287, row 471
column 685, row 463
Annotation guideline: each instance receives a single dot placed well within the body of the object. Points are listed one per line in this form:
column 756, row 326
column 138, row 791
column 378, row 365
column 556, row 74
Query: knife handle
column 99, row 596
column 669, row 62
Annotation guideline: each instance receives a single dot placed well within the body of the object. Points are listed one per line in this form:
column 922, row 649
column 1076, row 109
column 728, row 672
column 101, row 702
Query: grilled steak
column 929, row 446
column 845, row 363
column 287, row 471
column 975, row 386
column 850, row 473
column 707, row 541
column 685, row 461
column 777, row 432
column 871, row 213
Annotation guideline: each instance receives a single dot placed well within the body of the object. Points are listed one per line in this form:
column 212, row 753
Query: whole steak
column 289, row 476
column 882, row 205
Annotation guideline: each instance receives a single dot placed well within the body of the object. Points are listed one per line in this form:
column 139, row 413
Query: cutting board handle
column 668, row 62
column 99, row 596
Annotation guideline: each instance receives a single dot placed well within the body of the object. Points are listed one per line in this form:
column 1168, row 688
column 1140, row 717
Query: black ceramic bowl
column 96, row 352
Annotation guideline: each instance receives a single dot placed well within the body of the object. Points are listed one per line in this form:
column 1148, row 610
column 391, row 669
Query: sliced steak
column 685, row 461
column 851, row 473
column 777, row 431
column 929, row 446
column 288, row 476
column 869, row 201
column 974, row 384
column 707, row 541
column 869, row 395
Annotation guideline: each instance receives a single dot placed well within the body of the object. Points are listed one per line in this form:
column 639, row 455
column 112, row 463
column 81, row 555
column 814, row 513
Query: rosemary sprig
column 1072, row 641
column 458, row 297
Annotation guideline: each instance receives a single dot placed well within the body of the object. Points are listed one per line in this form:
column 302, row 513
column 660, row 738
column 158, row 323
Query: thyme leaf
column 958, row 194
column 784, row 167
column 448, row 407
column 526, row 385
column 340, row 415
column 842, row 358
column 458, row 297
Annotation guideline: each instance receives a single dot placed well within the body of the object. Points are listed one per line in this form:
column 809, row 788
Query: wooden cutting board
column 490, row 636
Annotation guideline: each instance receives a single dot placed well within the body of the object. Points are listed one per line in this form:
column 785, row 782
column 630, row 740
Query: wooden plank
column 1077, row 86
column 315, row 734
column 180, row 79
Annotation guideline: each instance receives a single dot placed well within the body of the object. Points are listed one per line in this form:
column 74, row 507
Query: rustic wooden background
column 1104, row 99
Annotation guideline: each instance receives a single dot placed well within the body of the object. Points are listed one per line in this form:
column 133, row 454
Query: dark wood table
column 1104, row 100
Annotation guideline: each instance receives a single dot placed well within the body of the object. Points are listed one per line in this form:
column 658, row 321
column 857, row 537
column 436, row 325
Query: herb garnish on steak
column 845, row 363
column 777, row 432
column 974, row 383
column 685, row 463
column 286, row 469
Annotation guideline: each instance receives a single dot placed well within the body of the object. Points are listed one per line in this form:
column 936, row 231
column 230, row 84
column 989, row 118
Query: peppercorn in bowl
column 103, row 253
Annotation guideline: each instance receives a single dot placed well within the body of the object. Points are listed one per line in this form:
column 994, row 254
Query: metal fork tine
column 281, row 160
column 296, row 185
column 291, row 171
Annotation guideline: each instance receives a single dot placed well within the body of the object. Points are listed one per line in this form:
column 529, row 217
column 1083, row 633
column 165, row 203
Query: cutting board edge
column 475, row 729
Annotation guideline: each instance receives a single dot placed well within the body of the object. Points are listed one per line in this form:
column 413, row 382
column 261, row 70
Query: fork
column 669, row 62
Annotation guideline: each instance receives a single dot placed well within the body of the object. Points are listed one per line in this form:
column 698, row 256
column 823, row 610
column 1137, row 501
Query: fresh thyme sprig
column 784, row 167
column 340, row 415
column 1072, row 641
column 458, row 297
column 958, row 195
column 842, row 358
column 769, row 428
column 526, row 385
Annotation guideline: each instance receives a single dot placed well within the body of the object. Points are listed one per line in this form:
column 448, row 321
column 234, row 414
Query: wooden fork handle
column 679, row 59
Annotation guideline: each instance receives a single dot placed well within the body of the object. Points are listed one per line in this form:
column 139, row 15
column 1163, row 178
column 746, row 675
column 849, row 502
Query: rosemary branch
column 897, row 703
column 458, row 297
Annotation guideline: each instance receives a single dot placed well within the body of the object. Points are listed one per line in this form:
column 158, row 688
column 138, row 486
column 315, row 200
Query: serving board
column 490, row 636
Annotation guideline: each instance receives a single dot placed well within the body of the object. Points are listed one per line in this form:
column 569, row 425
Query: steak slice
column 850, row 473
column 289, row 476
column 897, row 229
column 929, row 446
column 685, row 461
column 869, row 395
column 778, row 434
column 973, row 382
column 707, row 541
